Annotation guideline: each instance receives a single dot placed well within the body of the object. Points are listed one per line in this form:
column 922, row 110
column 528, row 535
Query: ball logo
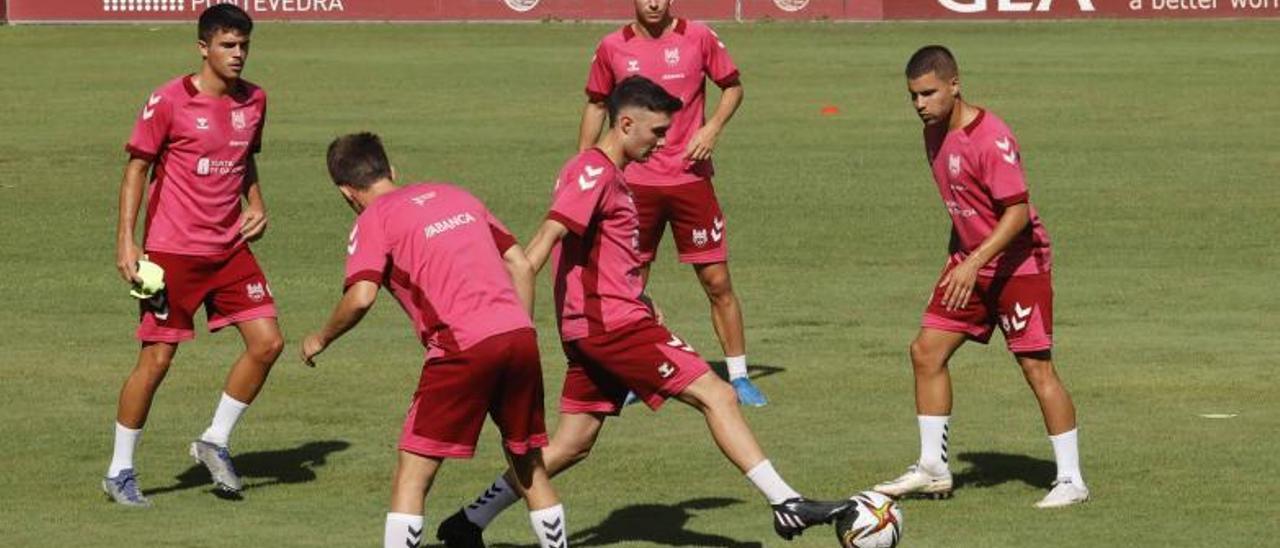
column 521, row 5
column 791, row 5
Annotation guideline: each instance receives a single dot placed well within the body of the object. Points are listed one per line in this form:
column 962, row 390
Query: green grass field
column 1151, row 150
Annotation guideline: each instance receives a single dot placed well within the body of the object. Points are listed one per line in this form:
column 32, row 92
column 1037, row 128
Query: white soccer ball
column 874, row 521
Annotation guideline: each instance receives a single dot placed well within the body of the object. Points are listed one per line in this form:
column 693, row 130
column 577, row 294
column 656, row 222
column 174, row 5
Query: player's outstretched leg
column 726, row 317
column 1060, row 422
column 263, row 343
column 718, row 403
column 574, row 437
column 930, row 476
column 121, row 481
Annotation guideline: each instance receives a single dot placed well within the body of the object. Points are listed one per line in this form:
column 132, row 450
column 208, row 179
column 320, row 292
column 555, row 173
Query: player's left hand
column 312, row 346
column 958, row 285
column 253, row 223
column 702, row 144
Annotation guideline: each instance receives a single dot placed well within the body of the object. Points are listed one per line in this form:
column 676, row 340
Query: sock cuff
column 763, row 467
column 228, row 400
column 936, row 419
column 501, row 482
column 411, row 519
column 556, row 510
column 120, row 428
column 1065, row 435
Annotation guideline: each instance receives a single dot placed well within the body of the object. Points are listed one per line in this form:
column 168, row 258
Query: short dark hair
column 638, row 91
column 358, row 160
column 223, row 17
column 935, row 59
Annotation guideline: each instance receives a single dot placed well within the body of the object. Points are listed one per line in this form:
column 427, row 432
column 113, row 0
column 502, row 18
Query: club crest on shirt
column 237, row 120
column 672, row 55
column 700, row 237
column 202, row 123
column 953, row 165
column 255, row 291
column 633, row 65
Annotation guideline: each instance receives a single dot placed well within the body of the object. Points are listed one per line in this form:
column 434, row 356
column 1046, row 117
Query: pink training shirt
column 597, row 265
column 200, row 146
column 978, row 169
column 439, row 250
column 680, row 60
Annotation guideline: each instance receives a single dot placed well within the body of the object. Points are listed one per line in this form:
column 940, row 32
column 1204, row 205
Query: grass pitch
column 1151, row 154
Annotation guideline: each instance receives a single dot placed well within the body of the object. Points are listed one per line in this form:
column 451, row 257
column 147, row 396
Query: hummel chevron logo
column 415, row 537
column 1021, row 316
column 147, row 111
column 717, row 230
column 1010, row 156
column 675, row 342
column 488, row 495
column 351, row 240
column 588, row 180
column 555, row 533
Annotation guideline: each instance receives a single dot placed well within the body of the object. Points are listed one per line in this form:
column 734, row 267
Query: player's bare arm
column 593, row 118
column 960, row 280
column 356, row 301
column 522, row 276
column 703, row 142
column 253, row 219
column 543, row 241
column 131, row 187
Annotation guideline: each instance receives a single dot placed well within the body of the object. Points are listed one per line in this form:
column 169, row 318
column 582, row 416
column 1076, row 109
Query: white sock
column 487, row 506
column 224, row 419
column 737, row 366
column 935, row 433
column 122, row 457
column 767, row 480
column 549, row 527
column 402, row 531
column 1067, row 453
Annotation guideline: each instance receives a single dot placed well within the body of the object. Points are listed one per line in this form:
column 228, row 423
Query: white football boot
column 1064, row 493
column 917, row 483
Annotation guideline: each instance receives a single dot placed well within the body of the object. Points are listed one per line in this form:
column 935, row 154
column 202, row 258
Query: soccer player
column 467, row 287
column 610, row 336
column 674, row 186
column 196, row 137
column 997, row 274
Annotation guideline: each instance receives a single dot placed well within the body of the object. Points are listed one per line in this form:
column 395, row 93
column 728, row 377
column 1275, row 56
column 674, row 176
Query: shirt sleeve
column 366, row 252
column 151, row 130
column 716, row 61
column 578, row 194
column 600, row 78
column 501, row 236
column 256, row 146
column 1001, row 161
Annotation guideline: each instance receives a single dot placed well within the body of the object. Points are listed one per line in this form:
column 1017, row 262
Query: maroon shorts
column 644, row 358
column 231, row 286
column 1021, row 305
column 500, row 376
column 697, row 224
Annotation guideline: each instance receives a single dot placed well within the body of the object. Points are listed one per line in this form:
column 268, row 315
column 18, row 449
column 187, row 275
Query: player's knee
column 266, row 351
column 1038, row 372
column 717, row 284
column 718, row 395
column 925, row 359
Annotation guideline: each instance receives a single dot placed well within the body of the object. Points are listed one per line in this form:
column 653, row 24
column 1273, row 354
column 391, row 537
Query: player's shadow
column 261, row 468
column 989, row 469
column 653, row 523
column 754, row 371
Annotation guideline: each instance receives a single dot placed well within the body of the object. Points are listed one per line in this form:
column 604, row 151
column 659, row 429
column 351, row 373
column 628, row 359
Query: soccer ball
column 874, row 521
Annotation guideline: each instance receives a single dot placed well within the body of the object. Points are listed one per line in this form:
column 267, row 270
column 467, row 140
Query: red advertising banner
column 866, row 10
column 1072, row 9
column 352, row 10
column 533, row 10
